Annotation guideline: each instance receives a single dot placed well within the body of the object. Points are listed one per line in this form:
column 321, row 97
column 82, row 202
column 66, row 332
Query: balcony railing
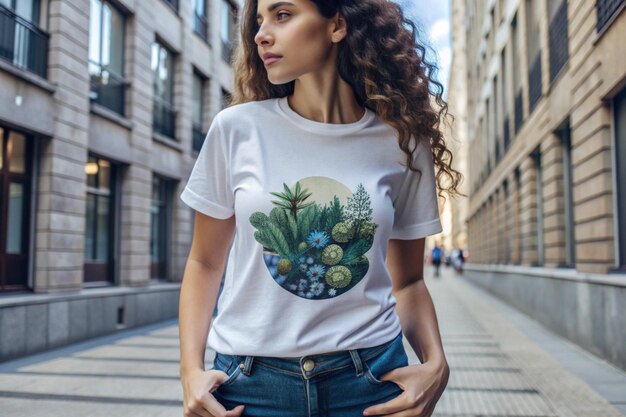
column 198, row 137
column 519, row 111
column 22, row 43
column 534, row 82
column 201, row 26
column 164, row 118
column 559, row 41
column 107, row 88
column 606, row 9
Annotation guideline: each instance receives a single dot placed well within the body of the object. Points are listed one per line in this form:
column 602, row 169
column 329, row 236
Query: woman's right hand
column 198, row 400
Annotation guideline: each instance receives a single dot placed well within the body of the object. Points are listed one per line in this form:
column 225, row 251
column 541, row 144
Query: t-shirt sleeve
column 208, row 189
column 416, row 206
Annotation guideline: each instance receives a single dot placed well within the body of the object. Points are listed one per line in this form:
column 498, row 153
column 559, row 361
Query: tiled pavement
column 502, row 364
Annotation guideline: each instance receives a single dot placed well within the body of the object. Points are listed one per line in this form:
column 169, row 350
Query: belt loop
column 356, row 358
column 248, row 365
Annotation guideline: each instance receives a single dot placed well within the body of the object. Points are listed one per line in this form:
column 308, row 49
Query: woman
column 326, row 159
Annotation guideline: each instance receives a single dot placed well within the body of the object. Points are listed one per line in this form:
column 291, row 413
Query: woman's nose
column 262, row 37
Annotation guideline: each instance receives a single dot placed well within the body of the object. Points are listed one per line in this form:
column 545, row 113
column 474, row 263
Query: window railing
column 201, row 26
column 559, row 41
column 22, row 43
column 107, row 88
column 606, row 9
column 534, row 82
column 198, row 137
column 163, row 118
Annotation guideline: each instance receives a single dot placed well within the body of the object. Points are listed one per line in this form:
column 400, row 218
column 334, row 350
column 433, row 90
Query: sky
column 433, row 17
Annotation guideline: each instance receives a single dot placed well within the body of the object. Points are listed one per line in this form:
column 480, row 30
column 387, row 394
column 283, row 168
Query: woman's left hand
column 422, row 384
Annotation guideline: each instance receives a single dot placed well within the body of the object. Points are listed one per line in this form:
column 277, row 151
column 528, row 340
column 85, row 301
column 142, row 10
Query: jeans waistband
column 312, row 365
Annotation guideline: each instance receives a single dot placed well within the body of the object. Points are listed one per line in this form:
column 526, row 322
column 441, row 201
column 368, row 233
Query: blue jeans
column 336, row 384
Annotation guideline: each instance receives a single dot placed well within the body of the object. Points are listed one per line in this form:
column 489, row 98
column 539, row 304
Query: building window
column 198, row 111
column 228, row 31
column 98, row 248
column 22, row 43
column 15, row 178
column 534, row 52
column 568, row 202
column 559, row 40
column 619, row 108
column 506, row 134
column 160, row 232
column 200, row 21
column 607, row 10
column 539, row 199
column 508, row 219
column 517, row 78
column 106, row 55
column 173, row 4
column 496, row 118
column 226, row 97
column 518, row 211
column 164, row 115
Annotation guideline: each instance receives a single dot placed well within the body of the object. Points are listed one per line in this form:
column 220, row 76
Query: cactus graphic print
column 316, row 237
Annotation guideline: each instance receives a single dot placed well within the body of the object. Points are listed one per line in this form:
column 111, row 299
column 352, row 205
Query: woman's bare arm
column 405, row 262
column 200, row 286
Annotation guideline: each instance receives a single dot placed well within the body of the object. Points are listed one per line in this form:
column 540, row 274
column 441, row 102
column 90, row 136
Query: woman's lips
column 271, row 60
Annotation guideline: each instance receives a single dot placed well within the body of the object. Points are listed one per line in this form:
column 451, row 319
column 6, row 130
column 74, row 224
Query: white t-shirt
column 315, row 205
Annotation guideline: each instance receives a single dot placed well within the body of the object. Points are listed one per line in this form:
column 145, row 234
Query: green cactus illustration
column 279, row 243
column 338, row 276
column 263, row 239
column 284, row 266
column 367, row 229
column 342, row 232
column 332, row 254
column 258, row 219
column 307, row 221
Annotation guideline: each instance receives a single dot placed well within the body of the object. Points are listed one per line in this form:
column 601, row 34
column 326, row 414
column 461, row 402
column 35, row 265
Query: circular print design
column 315, row 239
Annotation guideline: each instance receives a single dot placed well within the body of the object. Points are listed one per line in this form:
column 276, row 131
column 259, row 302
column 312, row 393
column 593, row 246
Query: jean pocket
column 229, row 365
column 393, row 357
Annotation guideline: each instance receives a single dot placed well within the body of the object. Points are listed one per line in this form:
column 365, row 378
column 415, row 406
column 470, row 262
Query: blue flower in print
column 317, row 288
column 316, row 271
column 318, row 239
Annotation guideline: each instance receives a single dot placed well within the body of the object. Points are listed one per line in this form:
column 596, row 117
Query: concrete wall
column 588, row 309
column 31, row 324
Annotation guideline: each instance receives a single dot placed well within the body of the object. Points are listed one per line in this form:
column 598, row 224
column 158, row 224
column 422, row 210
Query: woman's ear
column 340, row 29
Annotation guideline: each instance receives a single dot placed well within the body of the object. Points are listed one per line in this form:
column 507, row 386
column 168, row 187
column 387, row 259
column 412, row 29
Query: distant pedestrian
column 435, row 257
column 458, row 260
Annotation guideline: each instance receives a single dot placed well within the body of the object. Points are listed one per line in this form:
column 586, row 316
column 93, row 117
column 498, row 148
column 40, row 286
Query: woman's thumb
column 236, row 411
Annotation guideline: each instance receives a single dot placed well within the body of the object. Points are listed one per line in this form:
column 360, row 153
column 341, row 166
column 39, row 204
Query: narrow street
column 502, row 364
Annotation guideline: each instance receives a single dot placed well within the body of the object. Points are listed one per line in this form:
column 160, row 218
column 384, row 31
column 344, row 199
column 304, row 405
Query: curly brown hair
column 383, row 61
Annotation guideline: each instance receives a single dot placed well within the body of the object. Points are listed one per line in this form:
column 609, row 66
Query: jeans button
column 308, row 365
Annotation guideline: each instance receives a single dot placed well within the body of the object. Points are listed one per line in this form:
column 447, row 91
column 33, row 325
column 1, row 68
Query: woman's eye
column 258, row 23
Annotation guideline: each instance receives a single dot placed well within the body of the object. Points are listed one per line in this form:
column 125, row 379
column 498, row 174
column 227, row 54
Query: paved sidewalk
column 502, row 364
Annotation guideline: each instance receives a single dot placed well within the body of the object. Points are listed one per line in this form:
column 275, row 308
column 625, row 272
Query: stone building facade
column 546, row 82
column 104, row 105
